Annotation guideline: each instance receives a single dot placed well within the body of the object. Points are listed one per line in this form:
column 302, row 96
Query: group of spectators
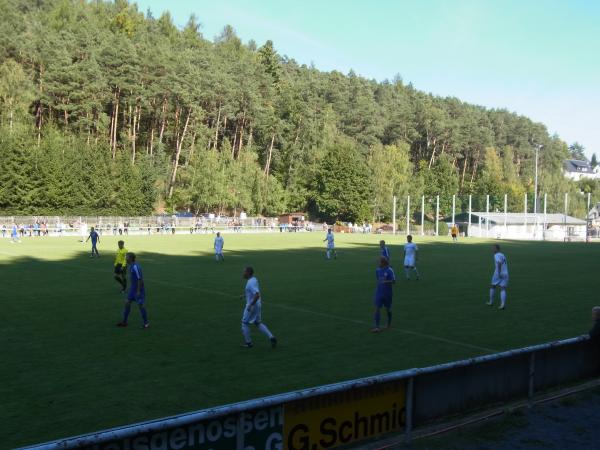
column 295, row 226
column 199, row 226
column 365, row 228
column 121, row 229
column 235, row 225
column 32, row 229
column 116, row 229
column 42, row 228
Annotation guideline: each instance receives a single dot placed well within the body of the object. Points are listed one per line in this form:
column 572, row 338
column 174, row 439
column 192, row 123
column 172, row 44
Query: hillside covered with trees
column 107, row 109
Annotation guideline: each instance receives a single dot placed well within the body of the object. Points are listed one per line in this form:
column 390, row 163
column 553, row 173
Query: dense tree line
column 107, row 109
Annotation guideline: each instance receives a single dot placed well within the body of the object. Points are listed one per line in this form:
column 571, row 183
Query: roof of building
column 595, row 207
column 517, row 218
column 578, row 166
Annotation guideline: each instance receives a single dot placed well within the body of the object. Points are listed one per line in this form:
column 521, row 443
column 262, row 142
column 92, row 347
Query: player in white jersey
column 253, row 309
column 410, row 257
column 219, row 242
column 330, row 244
column 499, row 278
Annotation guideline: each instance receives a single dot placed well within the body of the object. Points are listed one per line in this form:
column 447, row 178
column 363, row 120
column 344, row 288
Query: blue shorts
column 140, row 300
column 383, row 301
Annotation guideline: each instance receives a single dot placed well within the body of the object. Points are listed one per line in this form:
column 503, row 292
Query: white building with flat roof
column 530, row 226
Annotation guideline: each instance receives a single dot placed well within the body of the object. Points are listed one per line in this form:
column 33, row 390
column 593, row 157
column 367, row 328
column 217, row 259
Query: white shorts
column 331, row 247
column 253, row 316
column 218, row 251
column 497, row 281
column 409, row 261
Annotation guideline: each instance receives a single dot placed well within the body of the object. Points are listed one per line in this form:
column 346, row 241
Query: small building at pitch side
column 292, row 221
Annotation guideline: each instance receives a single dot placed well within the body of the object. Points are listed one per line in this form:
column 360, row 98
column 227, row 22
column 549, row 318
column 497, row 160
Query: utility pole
column 535, row 192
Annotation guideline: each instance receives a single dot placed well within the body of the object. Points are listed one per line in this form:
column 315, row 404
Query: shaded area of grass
column 68, row 370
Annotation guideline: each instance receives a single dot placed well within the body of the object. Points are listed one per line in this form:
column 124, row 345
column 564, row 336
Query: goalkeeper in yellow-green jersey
column 121, row 266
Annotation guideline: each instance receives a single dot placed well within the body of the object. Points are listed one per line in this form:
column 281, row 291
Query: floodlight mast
column 535, row 194
column 537, row 150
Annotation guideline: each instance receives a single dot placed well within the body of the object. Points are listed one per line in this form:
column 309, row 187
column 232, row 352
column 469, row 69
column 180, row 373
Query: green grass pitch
column 66, row 368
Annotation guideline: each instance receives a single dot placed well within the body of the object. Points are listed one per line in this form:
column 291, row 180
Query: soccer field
column 67, row 369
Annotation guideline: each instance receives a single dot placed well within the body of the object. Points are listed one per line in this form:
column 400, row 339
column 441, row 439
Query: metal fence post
column 525, row 215
column 505, row 214
column 408, row 215
column 394, row 215
column 453, row 208
column 545, row 216
column 531, row 377
column 410, row 392
column 423, row 215
column 487, row 216
column 565, row 216
column 588, row 220
column 239, row 435
column 437, row 215
column 469, row 226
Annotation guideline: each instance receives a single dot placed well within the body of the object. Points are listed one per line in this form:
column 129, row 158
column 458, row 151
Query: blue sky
column 537, row 58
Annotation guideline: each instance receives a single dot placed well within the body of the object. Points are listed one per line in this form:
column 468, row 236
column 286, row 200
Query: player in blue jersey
column 383, row 294
column 136, row 293
column 95, row 237
column 385, row 252
column 14, row 234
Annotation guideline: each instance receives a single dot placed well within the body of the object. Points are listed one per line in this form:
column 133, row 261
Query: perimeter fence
column 546, row 217
column 32, row 226
column 552, row 216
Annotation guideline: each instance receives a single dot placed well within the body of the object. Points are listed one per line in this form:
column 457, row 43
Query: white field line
column 361, row 322
column 332, row 316
column 296, row 309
